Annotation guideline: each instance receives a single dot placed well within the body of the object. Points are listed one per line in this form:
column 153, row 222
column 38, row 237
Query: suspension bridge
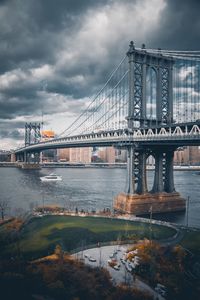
column 150, row 105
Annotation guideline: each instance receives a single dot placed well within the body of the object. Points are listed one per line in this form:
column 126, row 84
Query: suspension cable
column 110, row 77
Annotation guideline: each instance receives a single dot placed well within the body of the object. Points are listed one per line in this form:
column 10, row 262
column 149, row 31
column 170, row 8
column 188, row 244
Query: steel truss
column 32, row 133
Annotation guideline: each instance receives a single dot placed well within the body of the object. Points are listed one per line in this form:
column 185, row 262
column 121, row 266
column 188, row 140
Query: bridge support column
column 142, row 177
column 158, row 177
column 169, row 173
column 30, row 161
column 162, row 198
column 25, row 157
column 130, row 189
column 13, row 157
column 36, row 158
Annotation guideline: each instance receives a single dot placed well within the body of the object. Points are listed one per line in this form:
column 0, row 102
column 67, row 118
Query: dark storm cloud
column 9, row 107
column 31, row 29
column 9, row 130
column 13, row 134
column 179, row 28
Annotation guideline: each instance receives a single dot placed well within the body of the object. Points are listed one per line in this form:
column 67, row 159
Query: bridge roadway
column 176, row 135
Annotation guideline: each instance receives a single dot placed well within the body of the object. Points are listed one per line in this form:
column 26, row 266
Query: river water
column 88, row 189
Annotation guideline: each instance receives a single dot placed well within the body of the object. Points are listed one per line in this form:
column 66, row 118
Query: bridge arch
column 151, row 93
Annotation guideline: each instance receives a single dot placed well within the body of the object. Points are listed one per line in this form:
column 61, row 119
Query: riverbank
column 96, row 165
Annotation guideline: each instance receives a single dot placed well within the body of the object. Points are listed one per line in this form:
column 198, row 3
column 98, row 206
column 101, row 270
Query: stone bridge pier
column 162, row 196
column 30, row 159
column 149, row 107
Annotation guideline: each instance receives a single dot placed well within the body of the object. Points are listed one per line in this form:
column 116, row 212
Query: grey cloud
column 31, row 29
column 21, row 106
column 8, row 131
column 31, row 34
column 14, row 134
column 180, row 26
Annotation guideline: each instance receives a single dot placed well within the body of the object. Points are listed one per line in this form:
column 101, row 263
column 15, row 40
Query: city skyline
column 56, row 56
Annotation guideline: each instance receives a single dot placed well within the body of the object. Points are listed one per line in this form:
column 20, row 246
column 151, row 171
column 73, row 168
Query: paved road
column 102, row 255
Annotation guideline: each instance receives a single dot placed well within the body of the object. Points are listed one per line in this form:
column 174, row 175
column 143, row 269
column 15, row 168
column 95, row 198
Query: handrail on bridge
column 123, row 135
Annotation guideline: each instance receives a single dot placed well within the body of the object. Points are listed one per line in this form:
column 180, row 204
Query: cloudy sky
column 55, row 55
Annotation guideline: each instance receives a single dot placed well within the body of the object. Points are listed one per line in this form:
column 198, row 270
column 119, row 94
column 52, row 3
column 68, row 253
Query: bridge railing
column 110, row 138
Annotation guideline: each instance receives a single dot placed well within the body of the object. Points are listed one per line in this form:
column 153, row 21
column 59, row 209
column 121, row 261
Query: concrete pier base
column 141, row 204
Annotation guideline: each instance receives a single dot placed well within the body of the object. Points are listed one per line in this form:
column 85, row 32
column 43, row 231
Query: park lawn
column 191, row 241
column 40, row 236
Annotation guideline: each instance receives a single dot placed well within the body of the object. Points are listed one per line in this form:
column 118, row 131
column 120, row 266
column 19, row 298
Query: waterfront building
column 80, row 155
column 187, row 156
column 51, row 154
column 121, row 155
column 4, row 156
column 63, row 154
column 107, row 154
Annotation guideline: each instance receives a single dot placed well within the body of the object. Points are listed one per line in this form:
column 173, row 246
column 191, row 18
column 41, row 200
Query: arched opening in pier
column 151, row 80
column 150, row 166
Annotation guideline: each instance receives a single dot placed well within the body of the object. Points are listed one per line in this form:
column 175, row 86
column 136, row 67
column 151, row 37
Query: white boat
column 51, row 177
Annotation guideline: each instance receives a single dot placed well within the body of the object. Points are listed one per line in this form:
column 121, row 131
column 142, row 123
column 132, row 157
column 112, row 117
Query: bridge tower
column 30, row 160
column 32, row 133
column 162, row 197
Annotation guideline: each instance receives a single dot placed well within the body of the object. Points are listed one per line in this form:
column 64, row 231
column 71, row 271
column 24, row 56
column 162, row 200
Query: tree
column 4, row 205
column 59, row 253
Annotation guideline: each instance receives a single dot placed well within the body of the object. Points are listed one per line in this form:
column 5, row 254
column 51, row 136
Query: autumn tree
column 59, row 253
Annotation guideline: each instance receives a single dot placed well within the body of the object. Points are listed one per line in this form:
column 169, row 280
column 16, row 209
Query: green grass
column 191, row 241
column 40, row 235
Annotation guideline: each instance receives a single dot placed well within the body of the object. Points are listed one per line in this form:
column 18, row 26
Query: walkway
column 101, row 255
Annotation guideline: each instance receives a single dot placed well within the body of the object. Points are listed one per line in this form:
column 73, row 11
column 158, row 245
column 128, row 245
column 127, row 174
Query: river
column 88, row 189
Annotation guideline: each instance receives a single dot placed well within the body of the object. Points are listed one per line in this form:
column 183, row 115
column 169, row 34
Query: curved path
column 171, row 241
column 101, row 255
